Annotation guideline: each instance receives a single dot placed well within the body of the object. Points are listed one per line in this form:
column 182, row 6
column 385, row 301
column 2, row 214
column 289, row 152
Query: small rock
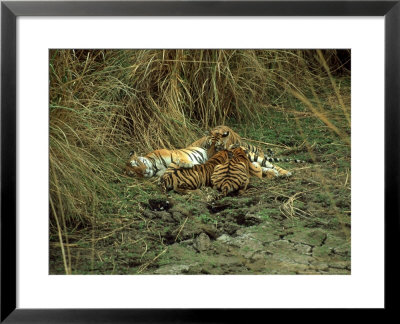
column 230, row 228
column 313, row 237
column 224, row 238
column 173, row 269
column 303, row 248
column 202, row 242
column 342, row 251
column 211, row 231
column 322, row 252
column 319, row 266
column 258, row 256
column 339, row 265
column 317, row 237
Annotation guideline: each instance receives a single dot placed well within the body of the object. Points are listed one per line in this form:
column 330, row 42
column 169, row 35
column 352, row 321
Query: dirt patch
column 245, row 235
column 264, row 231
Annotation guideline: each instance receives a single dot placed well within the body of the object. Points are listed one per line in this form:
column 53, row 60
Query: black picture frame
column 10, row 10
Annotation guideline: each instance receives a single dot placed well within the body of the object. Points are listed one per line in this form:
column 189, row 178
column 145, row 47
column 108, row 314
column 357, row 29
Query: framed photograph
column 163, row 158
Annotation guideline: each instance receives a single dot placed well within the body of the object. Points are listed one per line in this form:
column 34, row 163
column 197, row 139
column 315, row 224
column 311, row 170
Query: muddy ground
column 257, row 233
column 271, row 229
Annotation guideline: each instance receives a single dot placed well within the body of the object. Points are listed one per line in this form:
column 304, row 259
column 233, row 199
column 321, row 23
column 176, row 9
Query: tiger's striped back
column 181, row 180
column 233, row 175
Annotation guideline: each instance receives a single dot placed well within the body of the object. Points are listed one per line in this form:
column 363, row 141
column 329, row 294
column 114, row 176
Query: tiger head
column 224, row 135
column 137, row 166
column 214, row 143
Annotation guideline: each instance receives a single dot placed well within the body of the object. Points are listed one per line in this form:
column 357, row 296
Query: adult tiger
column 156, row 162
column 234, row 174
column 183, row 180
column 228, row 137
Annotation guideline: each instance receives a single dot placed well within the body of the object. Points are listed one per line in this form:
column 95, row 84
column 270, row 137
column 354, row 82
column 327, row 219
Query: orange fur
column 156, row 162
column 234, row 174
column 183, row 180
column 228, row 137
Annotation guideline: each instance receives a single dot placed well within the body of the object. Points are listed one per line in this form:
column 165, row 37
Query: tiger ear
column 131, row 153
column 225, row 134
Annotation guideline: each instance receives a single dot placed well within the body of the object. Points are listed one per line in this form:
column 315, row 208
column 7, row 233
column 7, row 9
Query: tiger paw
column 173, row 165
column 286, row 174
column 270, row 173
column 186, row 165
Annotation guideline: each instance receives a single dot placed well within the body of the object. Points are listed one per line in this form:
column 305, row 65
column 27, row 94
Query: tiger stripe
column 268, row 169
column 228, row 137
column 181, row 180
column 234, row 174
column 156, row 162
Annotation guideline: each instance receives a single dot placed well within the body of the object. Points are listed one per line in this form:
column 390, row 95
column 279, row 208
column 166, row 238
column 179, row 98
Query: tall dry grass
column 105, row 102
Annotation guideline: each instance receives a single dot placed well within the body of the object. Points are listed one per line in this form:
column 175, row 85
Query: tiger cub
column 228, row 138
column 234, row 174
column 156, row 162
column 183, row 180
